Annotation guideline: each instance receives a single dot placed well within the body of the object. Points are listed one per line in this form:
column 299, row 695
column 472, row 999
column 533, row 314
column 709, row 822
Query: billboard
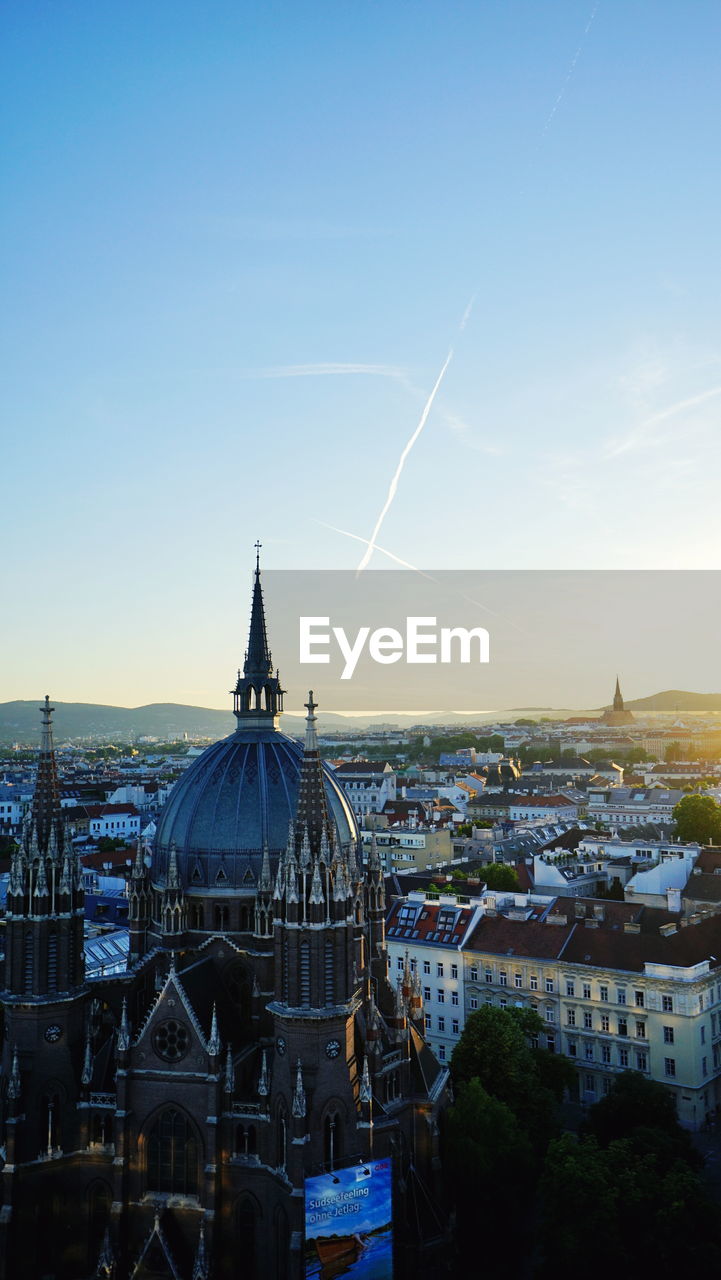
column 349, row 1223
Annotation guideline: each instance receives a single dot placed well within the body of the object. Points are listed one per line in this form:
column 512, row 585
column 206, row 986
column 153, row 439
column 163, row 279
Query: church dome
column 241, row 794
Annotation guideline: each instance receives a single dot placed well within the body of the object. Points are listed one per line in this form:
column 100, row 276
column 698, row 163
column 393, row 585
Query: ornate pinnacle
column 173, row 877
column 366, row 1093
column 263, row 1079
column 200, row 1267
column 14, row 1081
column 41, row 880
column 124, row 1029
column 374, row 861
column 16, row 884
column 299, row 1103
column 279, row 879
column 266, row 883
column 87, row 1075
column 139, row 864
column 324, row 854
column 305, row 858
column 229, row 1085
column 214, row 1041
column 66, row 879
column 317, row 896
column 106, row 1257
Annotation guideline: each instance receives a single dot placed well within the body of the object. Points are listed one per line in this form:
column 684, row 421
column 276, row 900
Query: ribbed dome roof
column 241, row 793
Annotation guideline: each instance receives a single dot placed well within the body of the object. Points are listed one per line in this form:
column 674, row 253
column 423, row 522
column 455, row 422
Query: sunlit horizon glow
column 235, row 245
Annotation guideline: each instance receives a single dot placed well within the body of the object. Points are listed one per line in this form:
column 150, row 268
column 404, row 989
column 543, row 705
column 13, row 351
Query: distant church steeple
column 617, row 698
column 617, row 714
column 257, row 697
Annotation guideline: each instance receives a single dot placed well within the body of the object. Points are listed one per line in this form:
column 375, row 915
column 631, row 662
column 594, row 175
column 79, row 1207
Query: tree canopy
column 698, row 818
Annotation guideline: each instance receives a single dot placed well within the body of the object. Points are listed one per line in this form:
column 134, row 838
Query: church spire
column 46, row 799
column 312, row 816
column 617, row 697
column 257, row 697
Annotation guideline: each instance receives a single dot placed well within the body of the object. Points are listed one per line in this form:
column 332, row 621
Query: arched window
column 99, row 1201
column 332, row 1139
column 282, row 1243
column 172, row 1155
column 305, row 973
column 52, row 961
column 281, row 1138
column 285, row 966
column 244, row 920
column 245, row 1218
column 29, row 962
column 329, row 973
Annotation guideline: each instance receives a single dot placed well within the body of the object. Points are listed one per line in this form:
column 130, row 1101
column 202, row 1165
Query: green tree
column 698, row 818
column 488, row 1159
column 578, row 1211
column 636, row 1104
column 498, row 875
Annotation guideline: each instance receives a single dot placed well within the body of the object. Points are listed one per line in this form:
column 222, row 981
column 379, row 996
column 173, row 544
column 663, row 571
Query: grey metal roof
column 240, row 794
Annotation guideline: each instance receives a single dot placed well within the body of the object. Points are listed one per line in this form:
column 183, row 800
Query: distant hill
column 20, row 721
column 677, row 700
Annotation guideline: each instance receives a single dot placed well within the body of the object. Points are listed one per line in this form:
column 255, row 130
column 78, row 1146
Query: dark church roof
column 242, row 793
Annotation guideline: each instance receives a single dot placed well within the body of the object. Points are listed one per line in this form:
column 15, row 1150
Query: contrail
column 571, row 70
column 405, row 564
column 393, row 487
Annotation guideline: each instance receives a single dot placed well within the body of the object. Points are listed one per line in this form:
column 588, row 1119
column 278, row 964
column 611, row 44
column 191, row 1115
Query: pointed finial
column 14, row 1081
column 317, row 897
column 200, row 1267
column 106, row 1257
column 263, row 1079
column 299, row 1102
column 229, row 1085
column 366, row 1093
column 124, row 1029
column 87, row 1075
column 173, row 876
column 257, row 546
column 214, row 1041
column 265, row 883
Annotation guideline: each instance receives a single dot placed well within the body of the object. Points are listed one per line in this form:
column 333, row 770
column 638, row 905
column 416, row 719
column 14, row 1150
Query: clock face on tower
column 53, row 1033
column 332, row 1049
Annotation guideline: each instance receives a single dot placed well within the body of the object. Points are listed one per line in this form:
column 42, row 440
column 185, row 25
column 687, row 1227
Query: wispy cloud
column 644, row 434
column 326, row 370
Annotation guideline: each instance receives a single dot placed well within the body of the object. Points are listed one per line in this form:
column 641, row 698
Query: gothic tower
column 44, row 991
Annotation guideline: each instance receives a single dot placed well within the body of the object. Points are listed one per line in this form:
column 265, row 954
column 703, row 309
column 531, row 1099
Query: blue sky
column 238, row 241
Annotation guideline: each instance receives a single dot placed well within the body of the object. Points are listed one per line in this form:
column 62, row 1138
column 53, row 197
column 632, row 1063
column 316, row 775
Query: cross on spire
column 310, row 706
column 257, row 546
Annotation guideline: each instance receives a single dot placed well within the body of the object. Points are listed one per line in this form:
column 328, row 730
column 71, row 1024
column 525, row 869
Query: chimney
column 673, row 899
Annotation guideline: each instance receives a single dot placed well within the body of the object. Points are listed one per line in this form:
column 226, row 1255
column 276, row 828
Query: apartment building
column 619, row 986
column 430, row 933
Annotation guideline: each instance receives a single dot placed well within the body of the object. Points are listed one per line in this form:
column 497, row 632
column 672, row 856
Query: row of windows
column 586, row 992
column 640, row 1028
column 440, row 995
column 440, row 967
column 441, row 1024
